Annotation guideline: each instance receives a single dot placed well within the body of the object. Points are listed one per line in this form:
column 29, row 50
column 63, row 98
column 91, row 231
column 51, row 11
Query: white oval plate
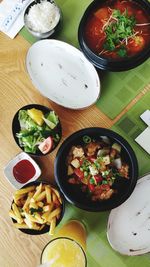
column 128, row 229
column 63, row 74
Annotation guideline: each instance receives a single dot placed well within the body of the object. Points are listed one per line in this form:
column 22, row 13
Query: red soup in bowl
column 118, row 29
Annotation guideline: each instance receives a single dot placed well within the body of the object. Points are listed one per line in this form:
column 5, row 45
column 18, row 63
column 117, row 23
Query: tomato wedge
column 46, row 145
column 79, row 173
column 91, row 159
column 98, row 178
column 91, row 187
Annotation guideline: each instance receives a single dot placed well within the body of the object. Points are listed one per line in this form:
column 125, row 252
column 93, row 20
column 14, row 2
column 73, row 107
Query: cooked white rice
column 42, row 17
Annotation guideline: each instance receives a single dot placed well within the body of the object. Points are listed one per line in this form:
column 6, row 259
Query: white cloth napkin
column 11, row 16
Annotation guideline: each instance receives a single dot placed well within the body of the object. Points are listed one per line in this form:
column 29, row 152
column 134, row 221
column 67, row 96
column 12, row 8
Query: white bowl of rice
column 42, row 18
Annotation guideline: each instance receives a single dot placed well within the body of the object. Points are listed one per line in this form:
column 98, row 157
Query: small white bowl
column 55, row 23
column 8, row 170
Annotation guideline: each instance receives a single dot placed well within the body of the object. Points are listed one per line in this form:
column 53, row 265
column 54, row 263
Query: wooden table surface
column 16, row 90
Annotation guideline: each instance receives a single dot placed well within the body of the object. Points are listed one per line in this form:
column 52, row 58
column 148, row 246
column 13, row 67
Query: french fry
column 16, row 212
column 52, row 226
column 30, row 218
column 33, row 205
column 41, row 227
column 32, row 225
column 37, row 192
column 18, row 197
column 36, row 206
column 54, row 197
column 54, row 213
column 46, row 208
column 18, row 203
column 46, row 214
column 24, row 190
column 13, row 216
column 38, row 218
column 48, row 194
column 40, row 204
column 41, row 196
column 26, row 204
column 58, row 195
column 29, row 223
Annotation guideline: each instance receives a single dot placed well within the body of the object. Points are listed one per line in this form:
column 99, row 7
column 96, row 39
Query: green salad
column 39, row 132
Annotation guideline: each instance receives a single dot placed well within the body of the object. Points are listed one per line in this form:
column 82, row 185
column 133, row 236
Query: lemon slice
column 36, row 115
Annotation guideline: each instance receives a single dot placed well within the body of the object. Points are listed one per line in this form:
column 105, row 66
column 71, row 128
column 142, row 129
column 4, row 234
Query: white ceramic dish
column 63, row 74
column 8, row 170
column 128, row 230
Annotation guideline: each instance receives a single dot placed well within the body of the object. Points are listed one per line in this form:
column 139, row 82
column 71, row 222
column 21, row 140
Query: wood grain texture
column 16, row 90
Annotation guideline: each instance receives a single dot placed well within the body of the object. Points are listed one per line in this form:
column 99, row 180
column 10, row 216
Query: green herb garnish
column 118, row 29
column 32, row 210
column 86, row 139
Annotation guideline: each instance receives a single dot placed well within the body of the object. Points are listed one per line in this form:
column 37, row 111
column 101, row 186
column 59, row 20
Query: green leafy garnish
column 122, row 52
column 119, row 28
column 32, row 210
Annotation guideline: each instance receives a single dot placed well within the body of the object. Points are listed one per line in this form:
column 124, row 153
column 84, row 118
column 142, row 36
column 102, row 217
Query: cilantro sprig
column 118, row 29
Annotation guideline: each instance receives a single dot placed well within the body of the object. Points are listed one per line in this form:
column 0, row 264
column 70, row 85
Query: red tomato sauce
column 23, row 171
column 101, row 18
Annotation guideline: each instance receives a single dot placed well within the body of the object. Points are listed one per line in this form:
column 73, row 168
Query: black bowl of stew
column 96, row 169
column 114, row 34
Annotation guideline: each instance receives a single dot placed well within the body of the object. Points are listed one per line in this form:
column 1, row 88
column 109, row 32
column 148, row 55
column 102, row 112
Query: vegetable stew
column 95, row 165
column 118, row 29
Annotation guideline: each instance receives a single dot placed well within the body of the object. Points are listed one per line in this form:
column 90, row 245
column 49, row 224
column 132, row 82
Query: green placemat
column 130, row 126
column 118, row 89
column 99, row 252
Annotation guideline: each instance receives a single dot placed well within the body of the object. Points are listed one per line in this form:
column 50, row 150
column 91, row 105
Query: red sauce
column 23, row 171
column 97, row 23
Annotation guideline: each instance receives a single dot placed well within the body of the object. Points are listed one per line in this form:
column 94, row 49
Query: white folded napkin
column 11, row 16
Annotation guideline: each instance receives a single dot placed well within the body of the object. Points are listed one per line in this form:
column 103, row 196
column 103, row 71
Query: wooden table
column 16, row 248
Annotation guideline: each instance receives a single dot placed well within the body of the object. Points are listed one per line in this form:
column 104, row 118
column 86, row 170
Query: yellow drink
column 74, row 230
column 63, row 252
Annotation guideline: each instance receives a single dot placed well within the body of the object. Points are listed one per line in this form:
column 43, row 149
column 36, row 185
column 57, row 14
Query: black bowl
column 16, row 127
column 73, row 194
column 104, row 63
column 46, row 227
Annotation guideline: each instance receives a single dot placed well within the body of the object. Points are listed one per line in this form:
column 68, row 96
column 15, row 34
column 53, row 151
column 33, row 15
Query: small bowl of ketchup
column 21, row 170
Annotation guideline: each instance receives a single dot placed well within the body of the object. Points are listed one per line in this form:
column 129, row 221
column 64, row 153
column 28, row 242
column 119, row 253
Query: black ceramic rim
column 46, row 227
column 16, row 127
column 66, row 145
column 105, row 63
column 68, row 238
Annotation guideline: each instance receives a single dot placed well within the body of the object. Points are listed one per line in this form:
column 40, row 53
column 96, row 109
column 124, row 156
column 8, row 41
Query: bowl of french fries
column 37, row 208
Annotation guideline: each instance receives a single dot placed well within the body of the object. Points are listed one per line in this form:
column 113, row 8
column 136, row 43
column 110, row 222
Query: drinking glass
column 67, row 248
